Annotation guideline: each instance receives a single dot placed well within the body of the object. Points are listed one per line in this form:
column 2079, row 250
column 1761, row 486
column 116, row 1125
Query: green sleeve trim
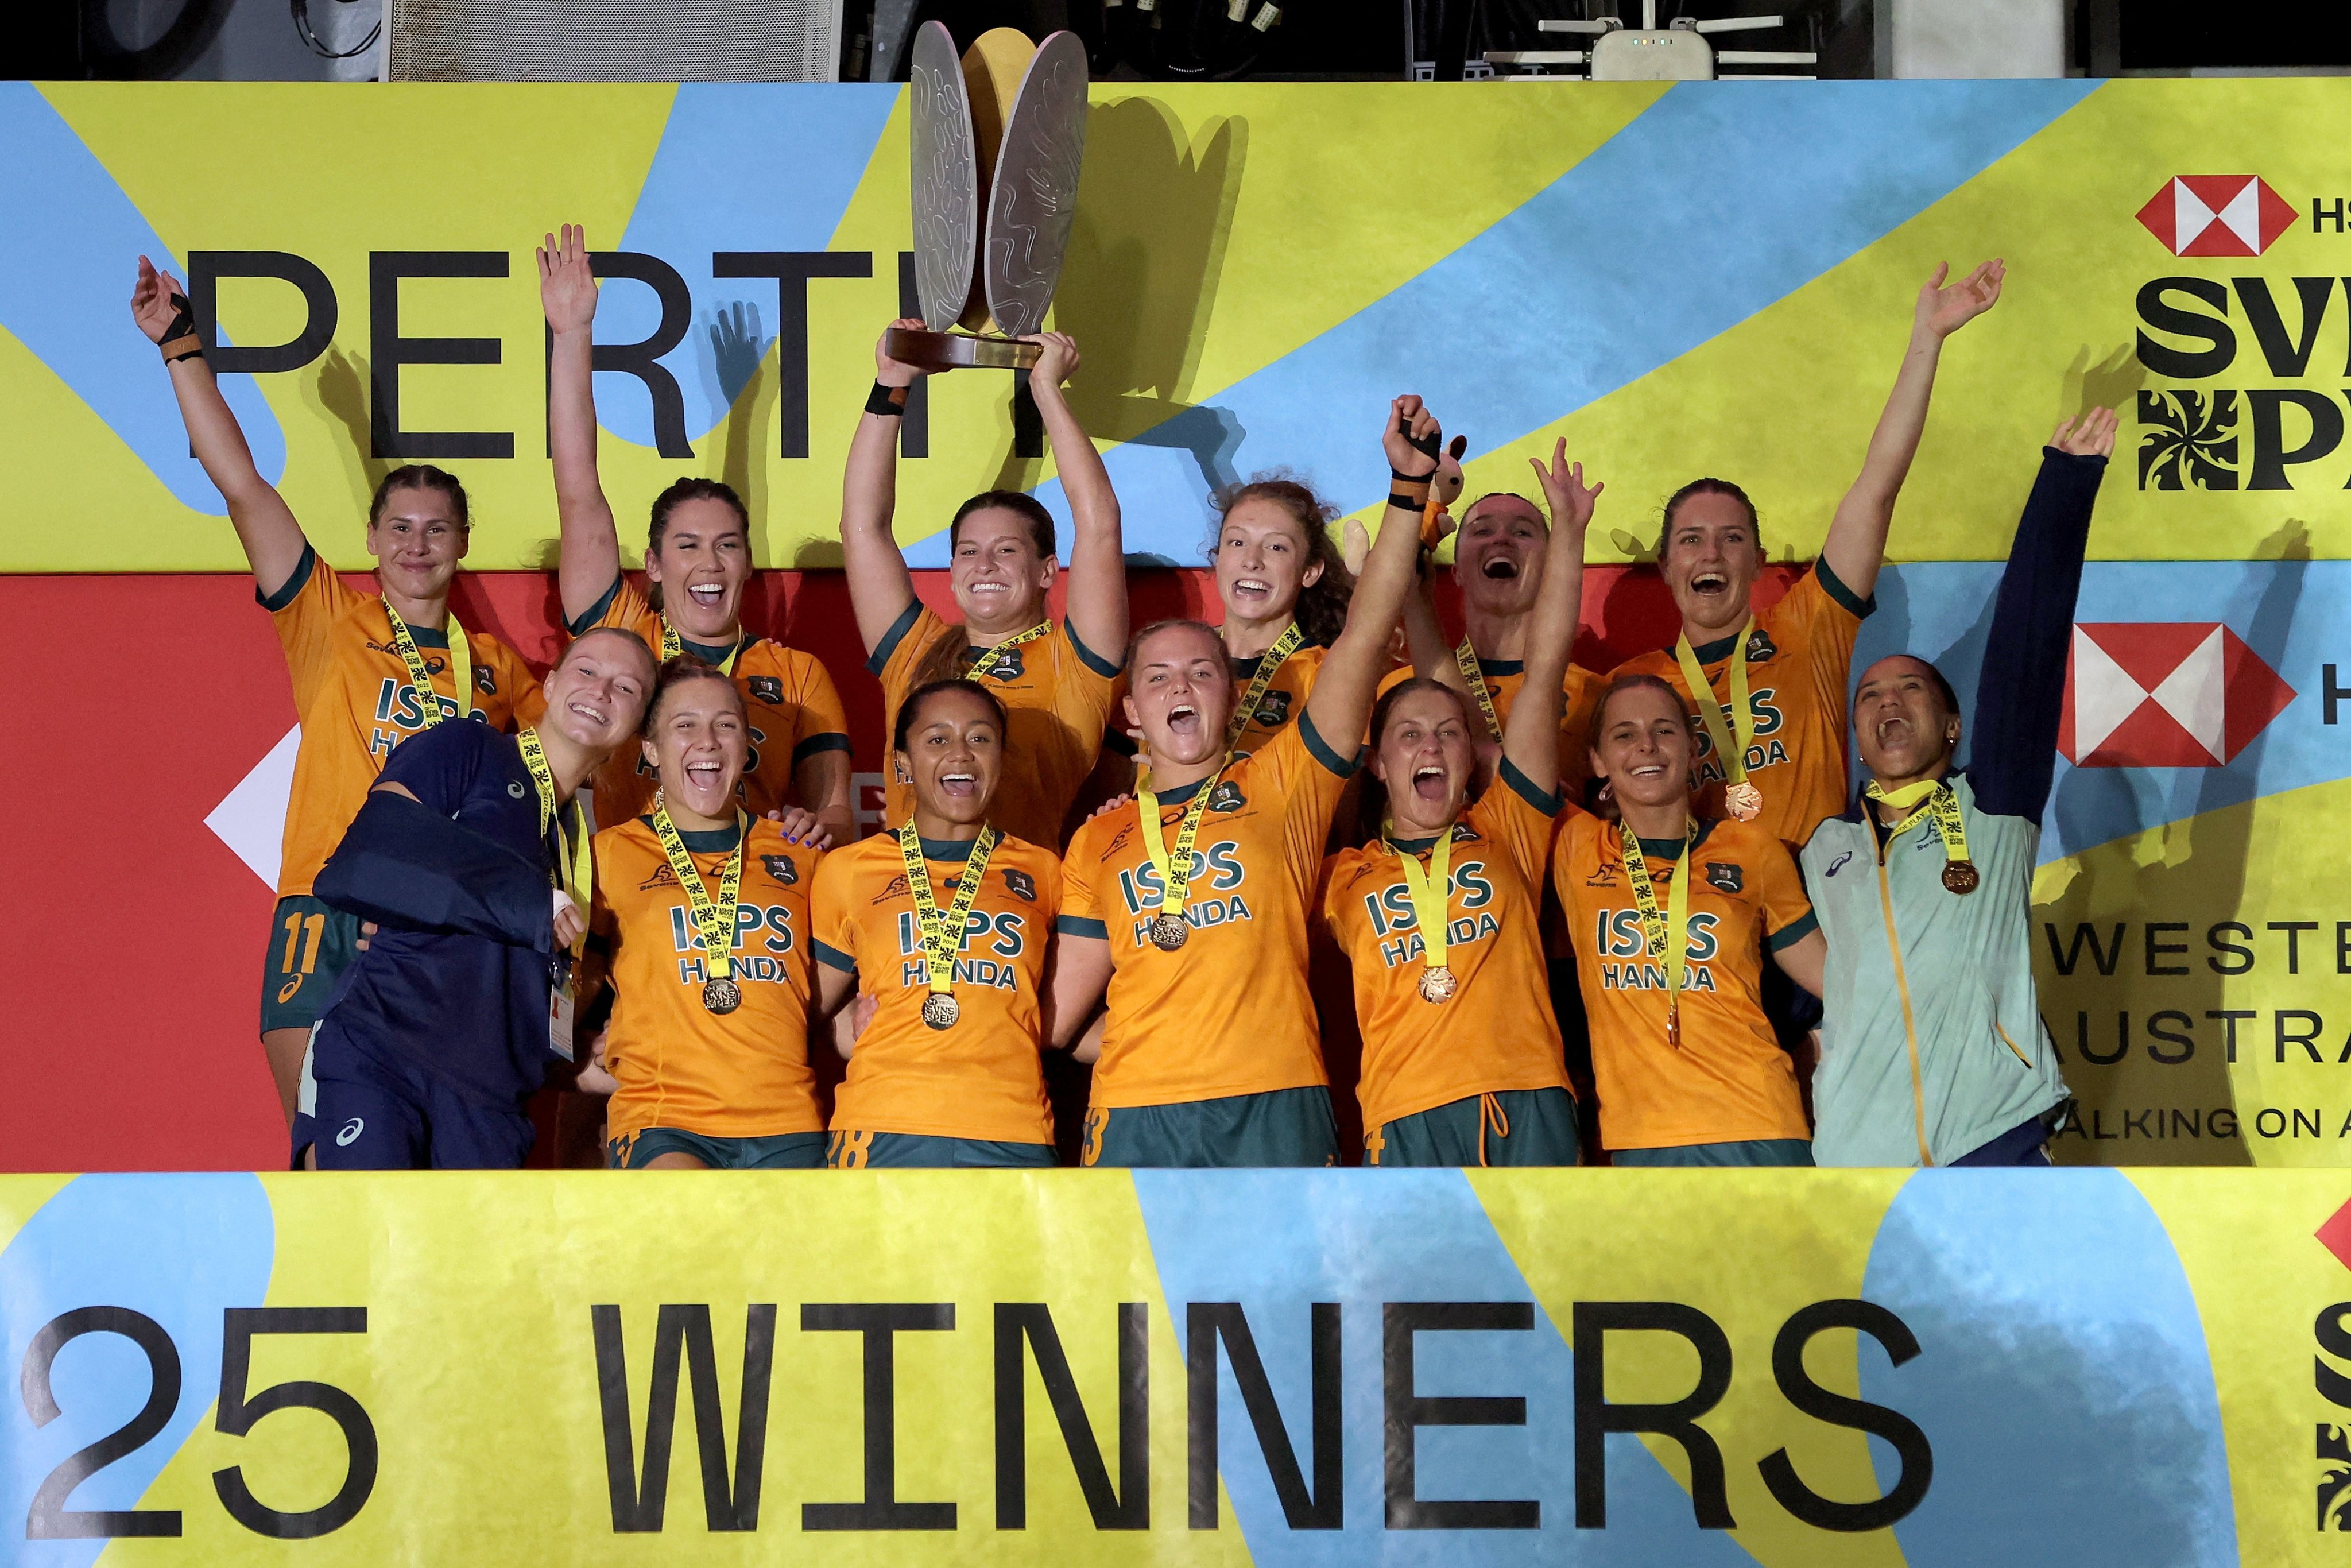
column 817, row 744
column 1859, row 608
column 1543, row 800
column 832, row 957
column 594, row 614
column 1795, row 931
column 1079, row 925
column 895, row 635
column 1087, row 656
column 1321, row 753
column 291, row 589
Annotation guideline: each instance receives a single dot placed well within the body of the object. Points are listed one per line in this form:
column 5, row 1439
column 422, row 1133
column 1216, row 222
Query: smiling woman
column 369, row 672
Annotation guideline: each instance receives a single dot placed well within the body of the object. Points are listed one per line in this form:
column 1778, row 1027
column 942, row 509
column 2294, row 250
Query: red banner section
column 132, row 1047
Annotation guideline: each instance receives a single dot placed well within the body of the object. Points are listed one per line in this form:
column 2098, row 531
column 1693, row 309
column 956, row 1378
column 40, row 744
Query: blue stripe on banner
column 68, row 259
column 741, row 166
column 1559, row 317
column 180, row 1249
column 1276, row 1243
column 2062, row 1377
column 2288, row 613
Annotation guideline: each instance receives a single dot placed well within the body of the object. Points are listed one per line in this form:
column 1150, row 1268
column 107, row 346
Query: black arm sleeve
column 405, row 864
column 2021, row 694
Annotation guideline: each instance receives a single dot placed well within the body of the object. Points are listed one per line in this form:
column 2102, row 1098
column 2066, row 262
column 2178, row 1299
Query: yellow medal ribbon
column 1168, row 928
column 1430, row 890
column 671, row 647
column 942, row 934
column 575, row 871
column 980, row 658
column 1940, row 808
column 1465, row 659
column 1269, row 665
column 1730, row 744
column 461, row 666
column 1667, row 930
column 713, row 918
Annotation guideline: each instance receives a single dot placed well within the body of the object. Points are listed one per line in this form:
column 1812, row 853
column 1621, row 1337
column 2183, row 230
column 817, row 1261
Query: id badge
column 561, row 1007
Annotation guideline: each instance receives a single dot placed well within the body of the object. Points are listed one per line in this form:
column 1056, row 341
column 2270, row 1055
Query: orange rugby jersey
column 1729, row 1080
column 1496, row 1032
column 1228, row 1012
column 1799, row 661
column 1580, row 693
column 1284, row 699
column 743, row 1075
column 983, row 1078
column 353, row 696
column 790, row 706
column 1056, row 694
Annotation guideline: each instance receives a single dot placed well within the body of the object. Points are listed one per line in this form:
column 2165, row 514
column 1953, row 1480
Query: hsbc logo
column 2218, row 214
column 2164, row 694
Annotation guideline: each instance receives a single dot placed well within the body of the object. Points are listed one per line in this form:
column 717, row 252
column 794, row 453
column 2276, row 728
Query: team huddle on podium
column 1641, row 914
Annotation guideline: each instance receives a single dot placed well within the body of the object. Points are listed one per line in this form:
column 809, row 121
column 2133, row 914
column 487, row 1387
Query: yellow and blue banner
column 1702, row 278
column 1727, row 1369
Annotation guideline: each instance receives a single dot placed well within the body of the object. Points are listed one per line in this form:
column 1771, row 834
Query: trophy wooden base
column 959, row 350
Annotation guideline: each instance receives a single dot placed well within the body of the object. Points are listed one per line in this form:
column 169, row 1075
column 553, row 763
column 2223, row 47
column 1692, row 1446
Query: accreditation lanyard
column 1941, row 810
column 1667, row 929
column 461, row 666
column 1175, row 868
column 713, row 918
column 671, row 647
column 1465, row 659
column 982, row 659
column 575, row 870
column 942, row 934
column 1730, row 743
column 1430, row 889
column 1269, row 665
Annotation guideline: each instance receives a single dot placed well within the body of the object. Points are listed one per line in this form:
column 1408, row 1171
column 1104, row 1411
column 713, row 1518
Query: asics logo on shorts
column 352, row 1130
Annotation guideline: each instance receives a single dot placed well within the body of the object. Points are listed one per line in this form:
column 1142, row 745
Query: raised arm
column 1855, row 548
column 264, row 524
column 880, row 586
column 1530, row 735
column 1097, row 592
column 2020, row 694
column 1340, row 703
column 590, row 559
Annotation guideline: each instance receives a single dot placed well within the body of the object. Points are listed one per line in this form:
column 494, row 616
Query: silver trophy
column 1020, row 112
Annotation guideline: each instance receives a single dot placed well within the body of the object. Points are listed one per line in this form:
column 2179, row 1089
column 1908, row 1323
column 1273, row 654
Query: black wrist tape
column 889, row 402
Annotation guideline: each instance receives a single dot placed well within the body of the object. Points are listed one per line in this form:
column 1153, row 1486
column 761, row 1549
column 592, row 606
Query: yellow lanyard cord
column 461, row 666
column 714, row 918
column 671, row 647
column 1269, row 665
column 1730, row 743
column 1465, row 659
column 942, row 935
column 980, row 659
column 1430, row 891
column 575, row 870
column 1667, row 930
column 1176, row 883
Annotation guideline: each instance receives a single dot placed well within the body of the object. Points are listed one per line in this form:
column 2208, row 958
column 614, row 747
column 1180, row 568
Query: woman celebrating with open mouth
column 1672, row 914
column 1462, row 1063
column 942, row 929
column 702, row 915
column 1189, row 902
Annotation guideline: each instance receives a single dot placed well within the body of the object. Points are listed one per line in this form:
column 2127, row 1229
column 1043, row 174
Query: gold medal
column 1961, row 876
column 1935, row 803
column 1439, row 984
column 1730, row 741
column 1430, row 890
column 942, row 931
column 713, row 919
column 1169, row 930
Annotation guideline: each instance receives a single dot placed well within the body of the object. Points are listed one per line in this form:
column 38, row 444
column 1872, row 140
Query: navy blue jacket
column 457, row 982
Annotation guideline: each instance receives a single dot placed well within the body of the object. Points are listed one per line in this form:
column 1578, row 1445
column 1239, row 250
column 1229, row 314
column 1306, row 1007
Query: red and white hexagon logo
column 2218, row 214
column 2165, row 693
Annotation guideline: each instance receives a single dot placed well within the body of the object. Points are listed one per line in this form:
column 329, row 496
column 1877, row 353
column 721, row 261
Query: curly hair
column 1321, row 610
